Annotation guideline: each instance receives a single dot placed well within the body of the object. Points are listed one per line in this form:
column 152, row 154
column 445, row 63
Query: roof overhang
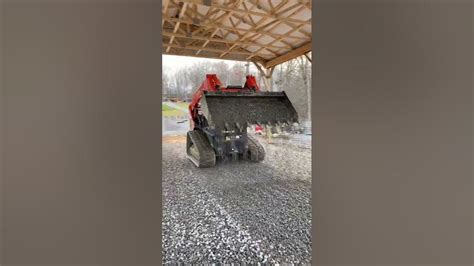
column 269, row 32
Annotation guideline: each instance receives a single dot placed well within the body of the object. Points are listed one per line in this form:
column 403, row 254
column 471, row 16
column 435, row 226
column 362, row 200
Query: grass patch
column 166, row 108
column 168, row 111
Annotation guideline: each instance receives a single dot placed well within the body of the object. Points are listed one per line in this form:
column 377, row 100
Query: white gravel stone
column 238, row 213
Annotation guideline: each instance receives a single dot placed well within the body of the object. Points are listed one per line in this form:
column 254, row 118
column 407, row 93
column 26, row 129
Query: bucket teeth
column 239, row 126
column 278, row 127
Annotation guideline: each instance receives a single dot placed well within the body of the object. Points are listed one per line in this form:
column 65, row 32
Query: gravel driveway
column 241, row 212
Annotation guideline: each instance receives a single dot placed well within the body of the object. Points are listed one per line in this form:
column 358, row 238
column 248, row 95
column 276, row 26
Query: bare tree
column 294, row 77
column 237, row 74
column 165, row 80
column 304, row 67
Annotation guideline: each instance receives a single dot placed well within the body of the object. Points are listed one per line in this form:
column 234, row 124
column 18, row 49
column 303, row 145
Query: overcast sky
column 174, row 62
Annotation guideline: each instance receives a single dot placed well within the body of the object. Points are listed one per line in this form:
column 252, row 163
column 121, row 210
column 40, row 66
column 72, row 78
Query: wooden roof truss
column 268, row 32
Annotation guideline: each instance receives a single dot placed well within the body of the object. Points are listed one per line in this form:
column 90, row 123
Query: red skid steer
column 219, row 117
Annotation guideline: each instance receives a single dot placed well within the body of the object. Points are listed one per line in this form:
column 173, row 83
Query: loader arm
column 211, row 83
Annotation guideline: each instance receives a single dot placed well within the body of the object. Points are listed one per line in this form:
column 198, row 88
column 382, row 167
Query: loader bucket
column 226, row 110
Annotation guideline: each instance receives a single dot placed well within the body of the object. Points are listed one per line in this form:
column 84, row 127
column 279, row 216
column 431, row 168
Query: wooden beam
column 204, row 49
column 307, row 4
column 267, row 74
column 261, row 14
column 203, row 38
column 176, row 27
column 250, row 39
column 229, row 13
column 288, row 56
column 165, row 11
column 210, row 25
column 243, row 37
column 259, row 29
column 281, row 39
column 289, row 8
column 292, row 25
column 192, row 54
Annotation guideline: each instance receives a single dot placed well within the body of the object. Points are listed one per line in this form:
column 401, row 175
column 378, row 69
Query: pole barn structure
column 265, row 32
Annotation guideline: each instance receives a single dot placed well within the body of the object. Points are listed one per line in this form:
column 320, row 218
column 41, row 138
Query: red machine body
column 213, row 84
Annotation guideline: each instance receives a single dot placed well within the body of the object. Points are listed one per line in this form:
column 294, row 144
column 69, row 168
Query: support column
column 309, row 89
column 267, row 74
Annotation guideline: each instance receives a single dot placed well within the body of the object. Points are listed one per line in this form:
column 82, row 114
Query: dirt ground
column 174, row 139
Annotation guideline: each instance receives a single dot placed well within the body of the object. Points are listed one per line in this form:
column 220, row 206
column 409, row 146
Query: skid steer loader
column 219, row 117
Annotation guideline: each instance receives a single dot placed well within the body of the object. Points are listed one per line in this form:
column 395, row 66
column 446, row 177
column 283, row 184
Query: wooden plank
column 229, row 13
column 227, row 57
column 176, row 27
column 291, row 25
column 165, row 12
column 282, row 39
column 255, row 13
column 207, row 49
column 211, row 25
column 259, row 27
column 288, row 56
column 203, row 38
column 248, row 38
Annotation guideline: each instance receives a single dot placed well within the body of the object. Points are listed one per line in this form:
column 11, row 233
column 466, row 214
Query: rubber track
column 257, row 152
column 207, row 157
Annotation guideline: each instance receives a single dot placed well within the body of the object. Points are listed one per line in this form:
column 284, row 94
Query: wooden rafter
column 259, row 34
column 165, row 11
column 251, row 30
column 191, row 53
column 281, row 39
column 272, row 11
column 243, row 30
column 255, row 13
column 176, row 27
column 227, row 15
column 216, row 50
column 288, row 56
column 203, row 38
column 274, row 24
column 250, row 40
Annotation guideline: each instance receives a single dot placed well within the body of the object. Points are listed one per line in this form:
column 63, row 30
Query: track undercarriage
column 205, row 152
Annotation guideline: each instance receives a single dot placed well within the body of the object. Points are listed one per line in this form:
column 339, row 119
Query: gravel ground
column 238, row 213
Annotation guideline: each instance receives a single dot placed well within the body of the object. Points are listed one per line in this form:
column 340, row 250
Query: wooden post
column 267, row 74
column 309, row 90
